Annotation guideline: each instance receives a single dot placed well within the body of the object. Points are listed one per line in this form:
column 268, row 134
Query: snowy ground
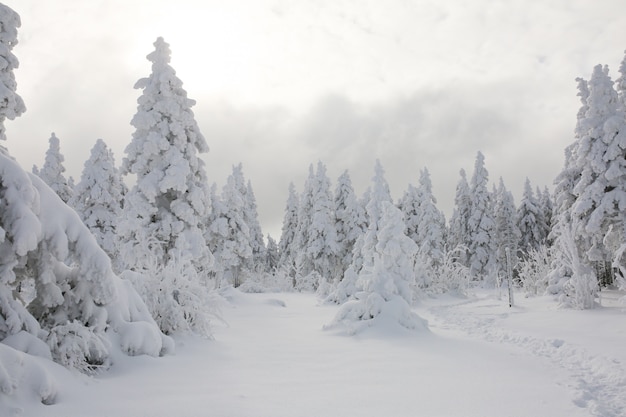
column 480, row 358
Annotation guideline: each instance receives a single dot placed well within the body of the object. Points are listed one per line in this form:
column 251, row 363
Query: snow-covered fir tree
column 233, row 248
column 98, row 199
column 52, row 171
column 251, row 216
column 530, row 221
column 364, row 247
column 272, row 255
column 164, row 211
column 378, row 194
column 11, row 104
column 350, row 222
column 386, row 282
column 481, row 224
column 317, row 238
column 431, row 226
column 546, row 204
column 507, row 232
column 458, row 233
column 287, row 244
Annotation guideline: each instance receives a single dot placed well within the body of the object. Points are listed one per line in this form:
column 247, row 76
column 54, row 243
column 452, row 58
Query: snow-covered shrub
column 78, row 347
column 452, row 276
column 533, row 270
column 175, row 297
column 307, row 283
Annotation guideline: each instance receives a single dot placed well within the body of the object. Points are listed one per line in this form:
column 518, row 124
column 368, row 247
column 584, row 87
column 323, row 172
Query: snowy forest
column 133, row 254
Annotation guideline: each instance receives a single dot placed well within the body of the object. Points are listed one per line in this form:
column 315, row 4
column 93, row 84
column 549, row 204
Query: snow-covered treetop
column 11, row 104
column 163, row 99
column 52, row 171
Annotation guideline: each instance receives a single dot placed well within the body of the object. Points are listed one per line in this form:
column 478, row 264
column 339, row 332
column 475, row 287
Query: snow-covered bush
column 533, row 270
column 452, row 276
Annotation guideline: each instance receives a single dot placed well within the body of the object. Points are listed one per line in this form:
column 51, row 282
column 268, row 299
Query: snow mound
column 377, row 316
column 24, row 379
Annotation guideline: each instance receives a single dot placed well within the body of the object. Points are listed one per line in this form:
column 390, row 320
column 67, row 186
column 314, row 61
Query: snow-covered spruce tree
column 481, row 224
column 164, row 211
column 507, row 232
column 530, row 221
column 316, row 238
column 76, row 302
column 11, row 104
column 98, row 199
column 287, row 245
column 350, row 222
column 546, row 204
column 386, row 282
column 233, row 246
column 271, row 255
column 458, row 233
column 52, row 171
column 362, row 254
column 251, row 215
column 564, row 195
column 600, row 195
column 430, row 231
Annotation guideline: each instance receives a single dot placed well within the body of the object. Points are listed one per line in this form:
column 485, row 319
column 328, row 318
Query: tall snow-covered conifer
column 458, row 234
column 287, row 245
column 350, row 222
column 166, row 208
column 481, row 224
column 11, row 104
column 507, row 232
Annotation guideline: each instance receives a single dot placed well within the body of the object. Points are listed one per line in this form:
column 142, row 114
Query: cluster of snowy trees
column 60, row 298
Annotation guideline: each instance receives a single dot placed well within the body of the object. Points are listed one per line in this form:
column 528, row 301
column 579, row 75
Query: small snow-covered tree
column 481, row 224
column 164, row 213
column 52, row 171
column 98, row 199
column 386, row 283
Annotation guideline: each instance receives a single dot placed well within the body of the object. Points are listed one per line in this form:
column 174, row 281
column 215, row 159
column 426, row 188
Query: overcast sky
column 281, row 84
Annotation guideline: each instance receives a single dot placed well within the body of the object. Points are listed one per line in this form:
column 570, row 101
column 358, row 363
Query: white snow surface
column 479, row 358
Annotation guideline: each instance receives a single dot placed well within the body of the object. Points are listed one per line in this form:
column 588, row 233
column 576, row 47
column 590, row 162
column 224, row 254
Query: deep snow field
column 273, row 357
